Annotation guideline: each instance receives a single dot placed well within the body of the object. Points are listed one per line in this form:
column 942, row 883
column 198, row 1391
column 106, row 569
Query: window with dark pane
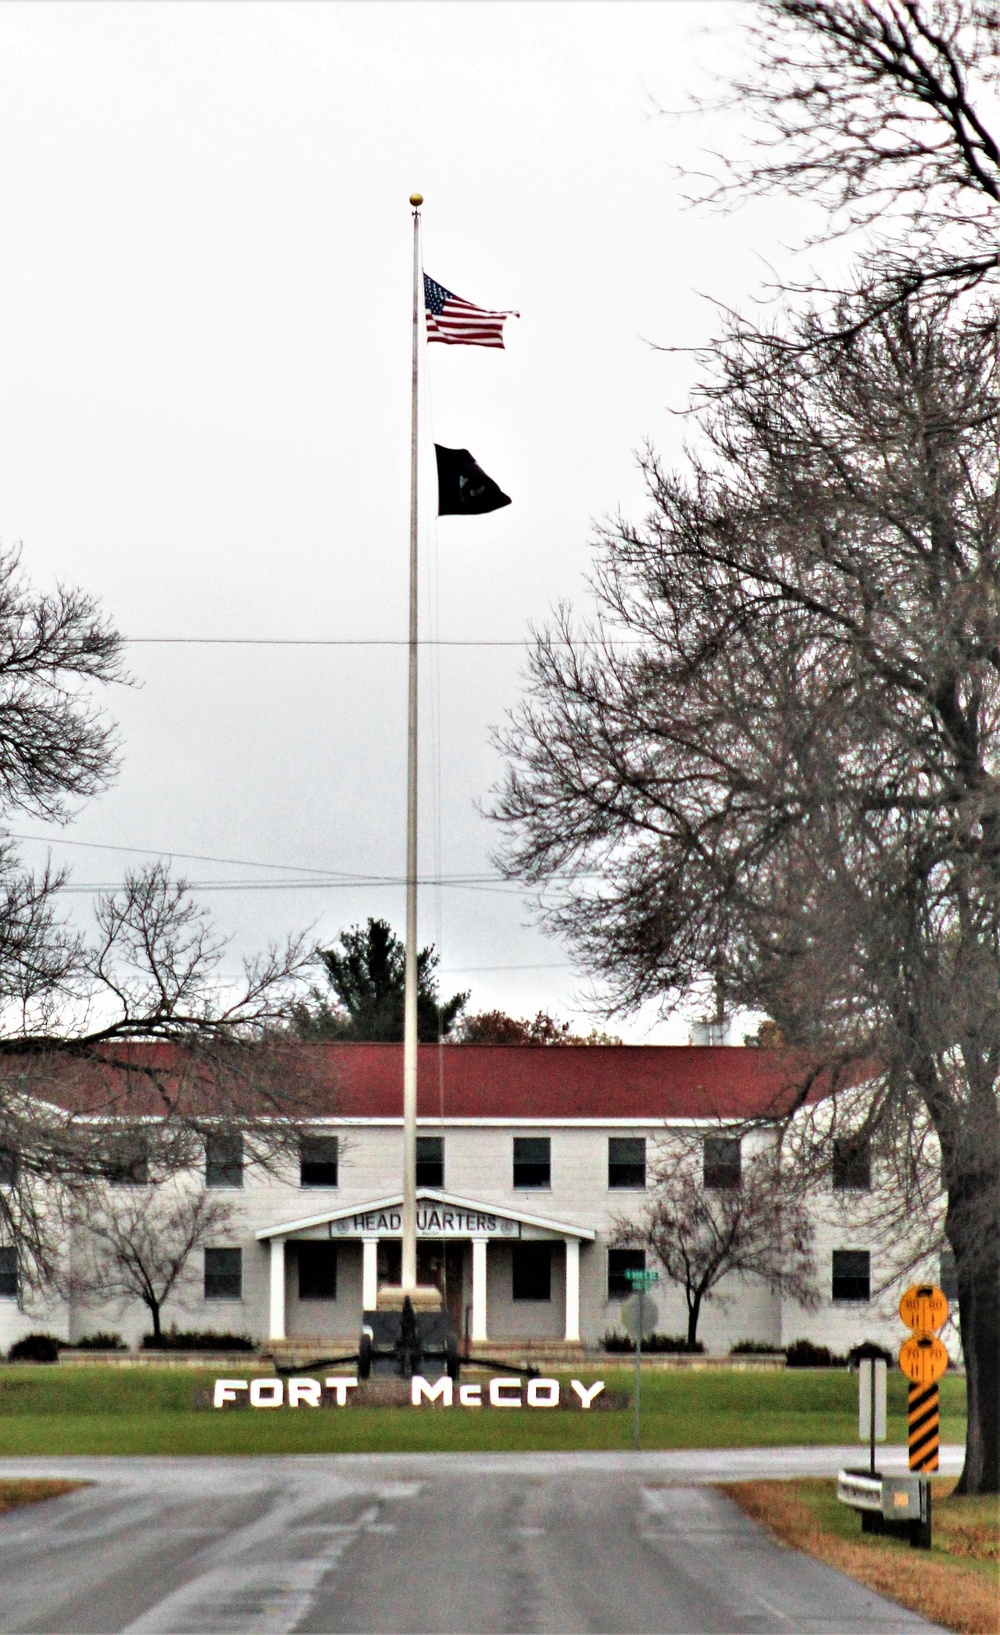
column 531, row 1271
column 621, row 1261
column 851, row 1274
column 8, row 1273
column 223, row 1274
column 852, row 1164
column 948, row 1278
column 532, row 1161
column 224, row 1159
column 9, row 1167
column 627, row 1162
column 317, row 1271
column 722, row 1162
column 430, row 1160
column 127, row 1162
column 319, row 1156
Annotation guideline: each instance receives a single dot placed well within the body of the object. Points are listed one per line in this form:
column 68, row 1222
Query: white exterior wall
column 337, row 1318
column 39, row 1315
column 478, row 1166
column 839, row 1219
column 35, row 1317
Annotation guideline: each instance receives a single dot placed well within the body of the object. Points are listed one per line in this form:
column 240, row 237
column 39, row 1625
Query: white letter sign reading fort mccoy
column 503, row 1392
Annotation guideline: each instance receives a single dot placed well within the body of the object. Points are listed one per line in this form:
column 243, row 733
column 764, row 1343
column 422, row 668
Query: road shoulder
column 955, row 1584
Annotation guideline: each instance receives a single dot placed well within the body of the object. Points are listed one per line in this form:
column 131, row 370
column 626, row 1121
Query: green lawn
column 151, row 1410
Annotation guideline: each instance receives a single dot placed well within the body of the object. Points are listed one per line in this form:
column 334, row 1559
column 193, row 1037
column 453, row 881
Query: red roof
column 567, row 1081
column 461, row 1081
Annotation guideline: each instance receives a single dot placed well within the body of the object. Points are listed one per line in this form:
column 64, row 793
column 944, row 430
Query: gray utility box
column 889, row 1504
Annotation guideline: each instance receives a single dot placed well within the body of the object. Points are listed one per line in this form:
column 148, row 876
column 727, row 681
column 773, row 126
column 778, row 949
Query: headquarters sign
column 433, row 1221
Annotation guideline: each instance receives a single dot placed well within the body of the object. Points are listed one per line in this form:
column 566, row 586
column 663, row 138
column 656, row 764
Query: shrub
column 613, row 1341
column 40, row 1348
column 672, row 1342
column 869, row 1348
column 100, row 1342
column 803, row 1354
column 199, row 1339
column 755, row 1348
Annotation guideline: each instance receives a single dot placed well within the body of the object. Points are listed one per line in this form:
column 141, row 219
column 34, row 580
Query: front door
column 441, row 1264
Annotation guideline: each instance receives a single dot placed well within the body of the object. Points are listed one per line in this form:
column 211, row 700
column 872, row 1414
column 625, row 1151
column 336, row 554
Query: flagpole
column 408, row 1279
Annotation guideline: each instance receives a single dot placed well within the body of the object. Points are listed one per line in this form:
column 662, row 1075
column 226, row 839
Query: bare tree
column 880, row 110
column 149, row 1033
column 753, row 1225
column 132, row 1019
column 55, row 745
column 140, row 1243
column 788, row 777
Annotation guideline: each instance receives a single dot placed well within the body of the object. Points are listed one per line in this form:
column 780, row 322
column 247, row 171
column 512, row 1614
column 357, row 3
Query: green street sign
column 642, row 1280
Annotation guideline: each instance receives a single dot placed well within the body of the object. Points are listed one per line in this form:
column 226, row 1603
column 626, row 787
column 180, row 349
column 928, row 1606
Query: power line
column 355, row 641
column 83, row 888
column 343, row 876
column 317, row 878
column 304, row 641
column 476, row 970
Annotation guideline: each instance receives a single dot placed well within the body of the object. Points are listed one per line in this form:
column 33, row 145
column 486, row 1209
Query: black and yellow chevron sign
column 923, row 1360
column 923, row 1418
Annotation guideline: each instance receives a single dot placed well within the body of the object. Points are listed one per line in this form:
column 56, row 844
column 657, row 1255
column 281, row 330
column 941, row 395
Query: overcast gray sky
column 204, row 325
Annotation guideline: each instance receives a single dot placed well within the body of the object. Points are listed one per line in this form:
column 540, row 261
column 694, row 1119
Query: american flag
column 458, row 322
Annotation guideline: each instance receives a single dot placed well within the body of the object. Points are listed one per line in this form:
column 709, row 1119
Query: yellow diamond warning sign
column 924, row 1308
column 923, row 1359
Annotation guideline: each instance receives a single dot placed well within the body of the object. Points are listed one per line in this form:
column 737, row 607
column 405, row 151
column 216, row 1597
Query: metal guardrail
column 898, row 1505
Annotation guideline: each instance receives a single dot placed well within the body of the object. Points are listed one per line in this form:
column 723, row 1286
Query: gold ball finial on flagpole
column 416, row 199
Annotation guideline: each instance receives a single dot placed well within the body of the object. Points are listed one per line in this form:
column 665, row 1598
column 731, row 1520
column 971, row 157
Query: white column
column 478, row 1290
column 369, row 1274
column 573, row 1289
column 277, row 1288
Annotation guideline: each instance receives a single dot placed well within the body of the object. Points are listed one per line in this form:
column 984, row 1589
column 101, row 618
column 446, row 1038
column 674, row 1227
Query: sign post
column 640, row 1281
column 894, row 1504
column 871, row 1403
column 923, row 1359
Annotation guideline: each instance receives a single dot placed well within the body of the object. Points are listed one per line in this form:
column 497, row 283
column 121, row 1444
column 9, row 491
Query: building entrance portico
column 457, row 1238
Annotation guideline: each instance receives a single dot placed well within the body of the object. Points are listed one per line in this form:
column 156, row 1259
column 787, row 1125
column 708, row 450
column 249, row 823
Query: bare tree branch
column 883, row 112
column 54, row 744
column 873, row 106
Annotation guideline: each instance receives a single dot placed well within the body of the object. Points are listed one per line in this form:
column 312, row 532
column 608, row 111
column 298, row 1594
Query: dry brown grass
column 13, row 1494
column 955, row 1583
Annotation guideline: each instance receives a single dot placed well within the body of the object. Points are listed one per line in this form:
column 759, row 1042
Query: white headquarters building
column 528, row 1160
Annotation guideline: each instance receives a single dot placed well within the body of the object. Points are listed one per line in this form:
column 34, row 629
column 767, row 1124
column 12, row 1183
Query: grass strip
column 106, row 1410
column 956, row 1583
column 15, row 1494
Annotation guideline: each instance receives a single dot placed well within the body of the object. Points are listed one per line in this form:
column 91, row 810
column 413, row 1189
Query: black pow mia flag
column 464, row 490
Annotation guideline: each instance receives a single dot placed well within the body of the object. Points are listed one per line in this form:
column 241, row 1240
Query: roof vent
column 711, row 1031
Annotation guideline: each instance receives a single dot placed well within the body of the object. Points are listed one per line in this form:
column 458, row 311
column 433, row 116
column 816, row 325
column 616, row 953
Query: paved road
column 447, row 1542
